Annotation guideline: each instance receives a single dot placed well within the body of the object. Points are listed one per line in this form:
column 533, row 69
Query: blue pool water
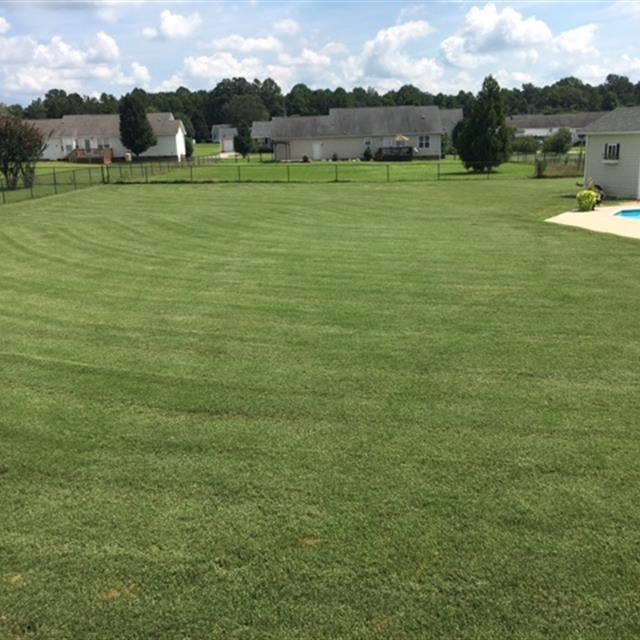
column 634, row 214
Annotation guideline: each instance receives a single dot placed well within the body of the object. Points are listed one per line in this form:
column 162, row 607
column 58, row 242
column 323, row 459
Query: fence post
column 146, row 174
column 388, row 173
column 238, row 167
column 288, row 173
column 55, row 183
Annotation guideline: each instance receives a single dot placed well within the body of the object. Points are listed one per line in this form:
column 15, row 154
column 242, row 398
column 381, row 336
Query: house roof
column 576, row 120
column 364, row 121
column 450, row 118
column 621, row 119
column 103, row 125
column 227, row 131
column 261, row 129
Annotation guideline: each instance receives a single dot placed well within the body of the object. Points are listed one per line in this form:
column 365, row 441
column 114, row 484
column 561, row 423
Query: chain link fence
column 53, row 180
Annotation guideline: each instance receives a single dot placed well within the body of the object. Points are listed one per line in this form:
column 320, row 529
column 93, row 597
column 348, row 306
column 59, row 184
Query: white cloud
column 141, row 74
column 384, row 63
column 4, row 25
column 30, row 67
column 578, row 40
column 286, row 27
column 307, row 58
column 512, row 78
column 334, row 49
column 105, row 48
column 174, row 25
column 247, row 45
column 487, row 30
column 454, row 49
column 222, row 65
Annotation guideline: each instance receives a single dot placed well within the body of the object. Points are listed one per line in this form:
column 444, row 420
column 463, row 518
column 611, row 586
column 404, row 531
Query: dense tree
column 483, row 140
column 559, row 142
column 245, row 109
column 135, row 131
column 201, row 131
column 190, row 132
column 271, row 95
column 205, row 108
column 298, row 101
column 525, row 144
column 21, row 145
column 242, row 142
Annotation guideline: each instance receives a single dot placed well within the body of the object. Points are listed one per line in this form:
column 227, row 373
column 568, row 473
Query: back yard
column 403, row 410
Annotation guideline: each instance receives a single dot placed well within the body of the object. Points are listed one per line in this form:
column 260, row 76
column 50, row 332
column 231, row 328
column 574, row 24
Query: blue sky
column 114, row 45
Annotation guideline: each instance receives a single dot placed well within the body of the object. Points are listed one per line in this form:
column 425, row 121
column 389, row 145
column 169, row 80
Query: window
column 611, row 151
column 424, row 142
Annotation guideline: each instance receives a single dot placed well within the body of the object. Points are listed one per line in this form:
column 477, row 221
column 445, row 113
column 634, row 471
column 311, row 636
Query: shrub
column 378, row 155
column 188, row 147
column 367, row 154
column 305, row 158
column 525, row 144
column 559, row 142
column 540, row 167
column 334, row 157
column 587, row 200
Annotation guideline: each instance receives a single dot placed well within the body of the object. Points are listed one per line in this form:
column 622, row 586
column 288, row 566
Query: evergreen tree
column 135, row 131
column 242, row 143
column 483, row 140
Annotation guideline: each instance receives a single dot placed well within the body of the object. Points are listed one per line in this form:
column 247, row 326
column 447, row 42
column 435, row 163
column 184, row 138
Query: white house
column 346, row 133
column 84, row 137
column 612, row 156
column 224, row 135
column 541, row 126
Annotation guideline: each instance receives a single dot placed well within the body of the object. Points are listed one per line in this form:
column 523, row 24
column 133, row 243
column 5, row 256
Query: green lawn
column 243, row 171
column 310, row 412
column 206, row 149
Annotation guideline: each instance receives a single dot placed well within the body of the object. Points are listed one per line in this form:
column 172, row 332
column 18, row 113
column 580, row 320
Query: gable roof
column 227, row 131
column 261, row 129
column 623, row 119
column 450, row 118
column 363, row 121
column 576, row 120
column 103, row 125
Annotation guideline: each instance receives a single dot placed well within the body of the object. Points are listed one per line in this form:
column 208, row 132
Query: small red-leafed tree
column 21, row 145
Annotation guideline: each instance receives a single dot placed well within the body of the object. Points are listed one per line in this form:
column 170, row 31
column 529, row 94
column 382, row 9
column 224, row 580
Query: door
column 316, row 150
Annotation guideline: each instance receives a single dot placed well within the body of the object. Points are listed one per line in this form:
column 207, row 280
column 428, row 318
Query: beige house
column 541, row 126
column 94, row 136
column 347, row 133
column 612, row 156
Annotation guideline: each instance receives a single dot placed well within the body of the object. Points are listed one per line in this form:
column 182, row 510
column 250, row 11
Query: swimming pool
column 633, row 214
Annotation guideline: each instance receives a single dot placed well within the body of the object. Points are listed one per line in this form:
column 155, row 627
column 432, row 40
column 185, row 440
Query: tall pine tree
column 135, row 131
column 483, row 141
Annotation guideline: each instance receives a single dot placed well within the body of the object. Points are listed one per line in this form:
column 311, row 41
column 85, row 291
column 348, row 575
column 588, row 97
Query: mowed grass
column 206, row 149
column 317, row 411
column 242, row 171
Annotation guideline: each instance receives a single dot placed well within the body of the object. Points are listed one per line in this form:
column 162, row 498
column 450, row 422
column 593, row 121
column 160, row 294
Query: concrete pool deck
column 603, row 219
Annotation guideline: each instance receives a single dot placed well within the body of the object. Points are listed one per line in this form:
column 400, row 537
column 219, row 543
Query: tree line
column 238, row 102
